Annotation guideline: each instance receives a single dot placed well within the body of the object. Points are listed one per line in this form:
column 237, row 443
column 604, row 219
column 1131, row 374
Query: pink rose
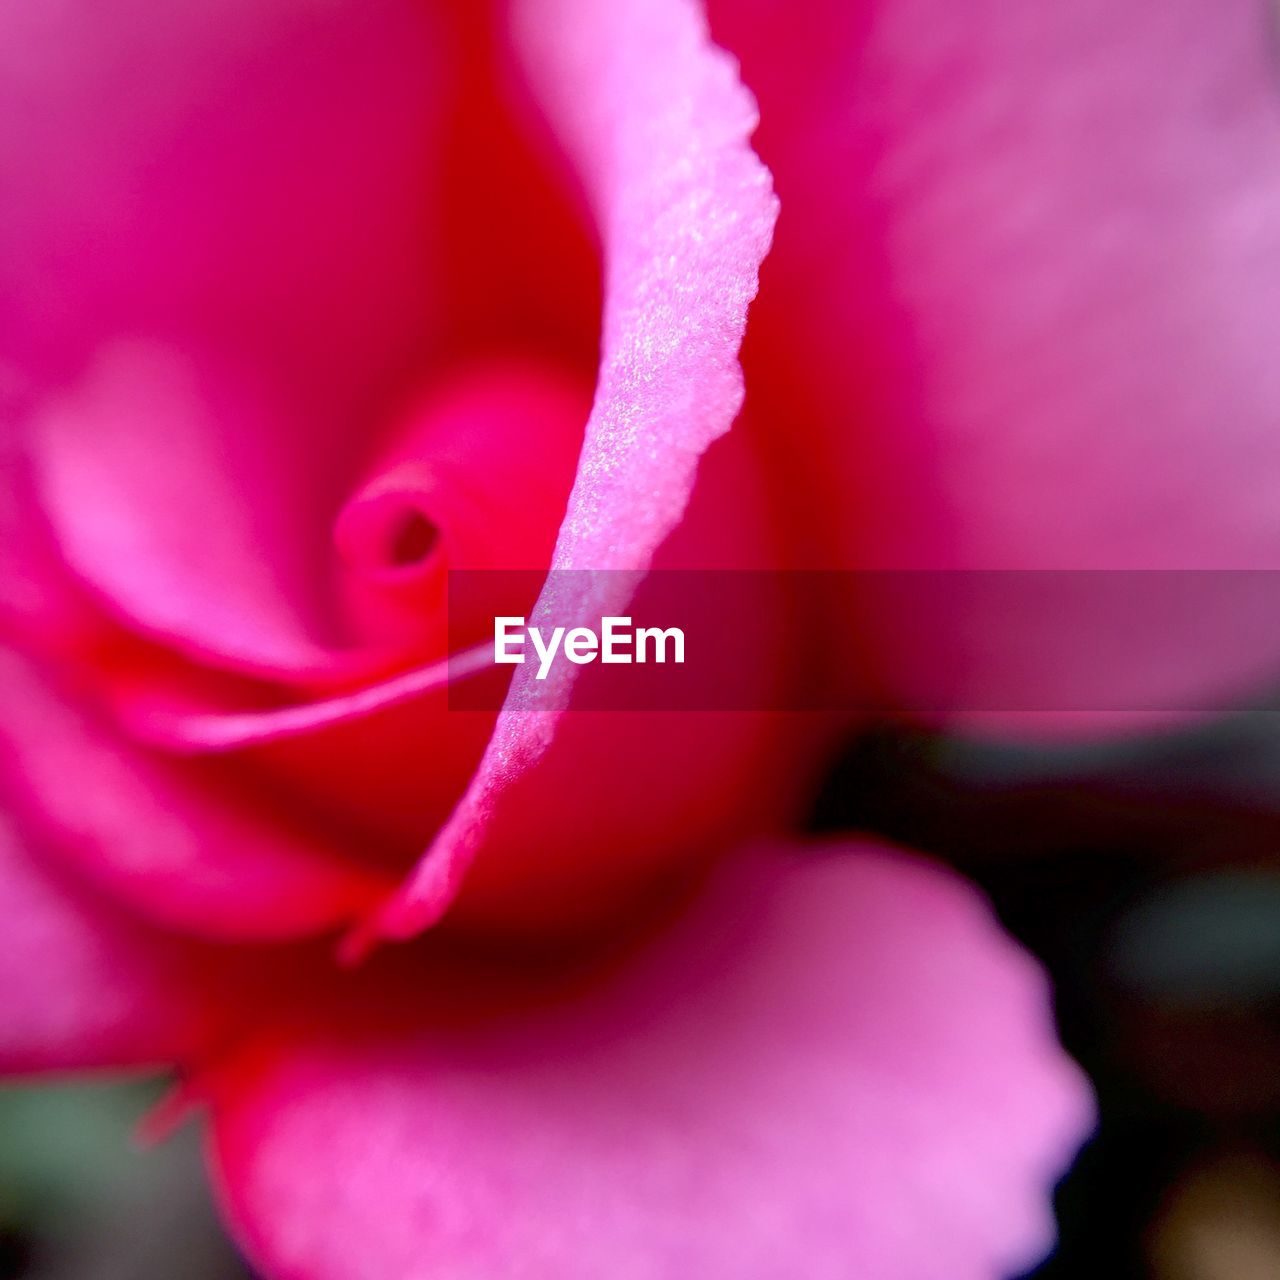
column 281, row 362
column 314, row 301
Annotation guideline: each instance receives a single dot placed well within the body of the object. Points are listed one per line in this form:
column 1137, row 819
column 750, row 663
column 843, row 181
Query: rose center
column 412, row 538
column 386, row 534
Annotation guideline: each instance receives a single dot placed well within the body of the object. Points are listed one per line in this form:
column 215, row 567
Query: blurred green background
column 80, row 1200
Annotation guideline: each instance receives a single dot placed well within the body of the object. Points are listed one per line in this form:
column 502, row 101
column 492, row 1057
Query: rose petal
column 1020, row 314
column 173, row 840
column 259, row 175
column 195, row 543
column 655, row 124
column 38, row 598
column 824, row 1052
column 83, row 985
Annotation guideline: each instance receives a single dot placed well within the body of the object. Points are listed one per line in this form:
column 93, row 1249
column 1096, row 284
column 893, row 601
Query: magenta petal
column 263, row 175
column 833, row 1065
column 83, row 985
column 655, row 124
column 38, row 598
column 173, row 839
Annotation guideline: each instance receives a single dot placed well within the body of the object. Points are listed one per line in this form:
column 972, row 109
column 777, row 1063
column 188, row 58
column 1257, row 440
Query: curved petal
column 391, row 760
column 223, row 550
column 822, row 1053
column 178, row 845
column 388, row 761
column 655, row 124
column 1020, row 314
column 195, row 543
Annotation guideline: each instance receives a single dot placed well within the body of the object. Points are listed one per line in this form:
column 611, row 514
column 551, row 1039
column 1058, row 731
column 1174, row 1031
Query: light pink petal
column 832, row 1064
column 179, row 842
column 165, row 480
column 655, row 124
column 1021, row 313
column 84, row 986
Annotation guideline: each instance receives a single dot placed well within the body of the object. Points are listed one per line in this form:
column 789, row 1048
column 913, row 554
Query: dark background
column 1146, row 876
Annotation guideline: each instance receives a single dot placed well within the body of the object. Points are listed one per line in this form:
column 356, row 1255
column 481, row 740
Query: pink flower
column 312, row 301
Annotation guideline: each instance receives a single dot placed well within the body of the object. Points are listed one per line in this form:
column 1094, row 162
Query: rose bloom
column 307, row 303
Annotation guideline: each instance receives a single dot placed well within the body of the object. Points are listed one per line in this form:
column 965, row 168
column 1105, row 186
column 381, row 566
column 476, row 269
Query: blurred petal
column 38, row 598
column 655, row 125
column 260, row 174
column 832, row 1064
column 1021, row 312
column 169, row 491
column 174, row 840
column 83, row 985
